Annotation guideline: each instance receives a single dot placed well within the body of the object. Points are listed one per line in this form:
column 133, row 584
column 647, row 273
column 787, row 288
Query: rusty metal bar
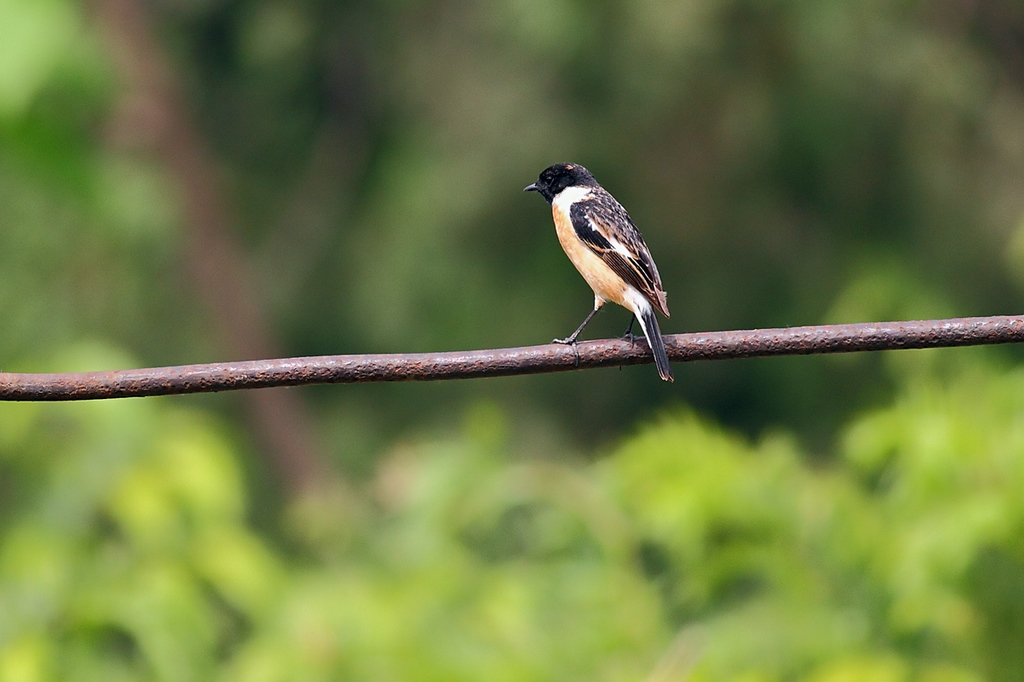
column 344, row 369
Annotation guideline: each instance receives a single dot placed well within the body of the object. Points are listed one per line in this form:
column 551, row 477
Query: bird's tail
column 653, row 333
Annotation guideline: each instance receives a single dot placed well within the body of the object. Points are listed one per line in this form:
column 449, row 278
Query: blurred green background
column 201, row 180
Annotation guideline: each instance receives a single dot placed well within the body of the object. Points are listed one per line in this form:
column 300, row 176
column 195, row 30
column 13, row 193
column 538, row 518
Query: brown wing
column 604, row 226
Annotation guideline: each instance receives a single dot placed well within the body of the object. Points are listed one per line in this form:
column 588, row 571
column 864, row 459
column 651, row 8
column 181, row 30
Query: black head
column 556, row 178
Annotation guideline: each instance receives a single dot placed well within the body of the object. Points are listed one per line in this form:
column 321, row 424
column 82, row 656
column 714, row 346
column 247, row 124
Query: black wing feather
column 601, row 212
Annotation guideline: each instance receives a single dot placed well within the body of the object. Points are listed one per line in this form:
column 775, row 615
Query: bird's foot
column 629, row 335
column 570, row 341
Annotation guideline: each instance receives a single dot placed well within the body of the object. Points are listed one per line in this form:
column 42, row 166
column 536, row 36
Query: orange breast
column 606, row 284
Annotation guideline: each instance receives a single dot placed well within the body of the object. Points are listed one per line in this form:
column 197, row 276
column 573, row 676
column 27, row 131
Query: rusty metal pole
column 347, row 369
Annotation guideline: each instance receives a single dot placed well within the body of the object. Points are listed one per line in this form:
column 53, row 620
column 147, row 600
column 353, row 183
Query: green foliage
column 36, row 38
column 687, row 552
column 884, row 561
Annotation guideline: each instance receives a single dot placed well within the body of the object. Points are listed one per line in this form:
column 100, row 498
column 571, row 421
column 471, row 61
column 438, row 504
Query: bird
column 605, row 245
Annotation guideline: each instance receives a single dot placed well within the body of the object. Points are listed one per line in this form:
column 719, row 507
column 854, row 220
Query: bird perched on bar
column 604, row 244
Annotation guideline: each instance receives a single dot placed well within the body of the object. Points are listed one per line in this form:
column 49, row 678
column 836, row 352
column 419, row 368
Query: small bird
column 603, row 243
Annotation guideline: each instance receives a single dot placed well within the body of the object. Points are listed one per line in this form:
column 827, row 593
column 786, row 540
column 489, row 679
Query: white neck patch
column 570, row 195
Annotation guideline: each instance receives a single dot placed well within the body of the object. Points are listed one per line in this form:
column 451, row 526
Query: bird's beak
column 532, row 187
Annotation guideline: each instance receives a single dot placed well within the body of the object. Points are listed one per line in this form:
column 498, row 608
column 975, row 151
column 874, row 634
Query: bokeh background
column 200, row 180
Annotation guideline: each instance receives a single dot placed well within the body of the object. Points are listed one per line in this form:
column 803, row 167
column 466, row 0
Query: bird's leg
column 571, row 340
column 628, row 336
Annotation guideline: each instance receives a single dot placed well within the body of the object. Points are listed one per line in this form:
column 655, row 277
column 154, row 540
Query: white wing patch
column 616, row 244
